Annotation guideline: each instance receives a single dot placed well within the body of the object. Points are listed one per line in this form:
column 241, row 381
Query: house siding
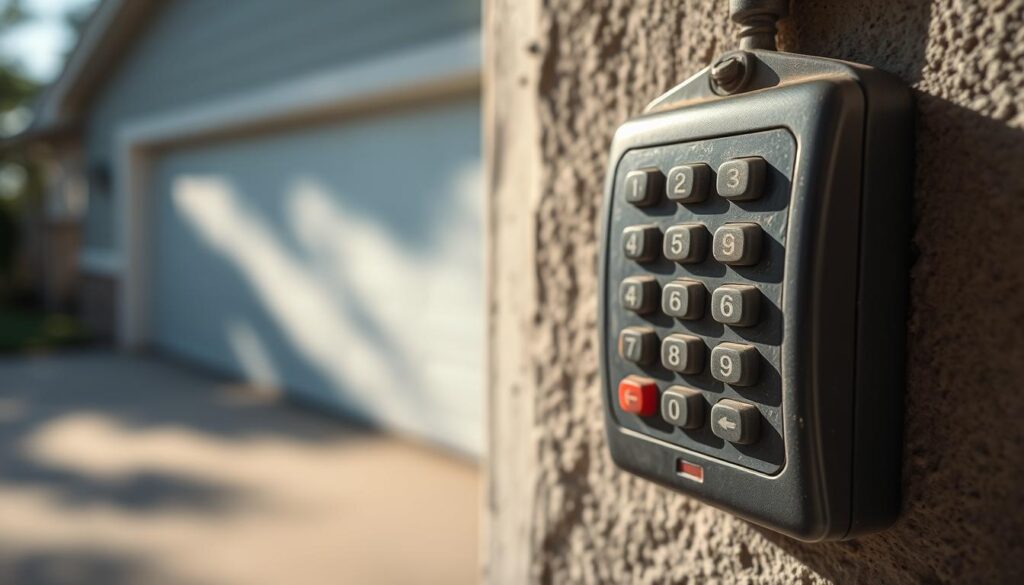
column 198, row 50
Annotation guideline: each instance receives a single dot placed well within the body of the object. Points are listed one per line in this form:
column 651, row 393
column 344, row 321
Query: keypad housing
column 769, row 211
column 808, row 441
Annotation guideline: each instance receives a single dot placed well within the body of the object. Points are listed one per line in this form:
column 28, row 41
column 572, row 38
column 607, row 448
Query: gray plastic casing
column 843, row 309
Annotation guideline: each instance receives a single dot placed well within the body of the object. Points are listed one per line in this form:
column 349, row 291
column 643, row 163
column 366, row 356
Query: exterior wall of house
column 197, row 50
column 565, row 75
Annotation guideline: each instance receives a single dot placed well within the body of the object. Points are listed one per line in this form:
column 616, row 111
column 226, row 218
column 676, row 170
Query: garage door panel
column 342, row 262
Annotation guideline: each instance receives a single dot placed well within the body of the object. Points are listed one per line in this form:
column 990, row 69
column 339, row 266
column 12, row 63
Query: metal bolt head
column 731, row 72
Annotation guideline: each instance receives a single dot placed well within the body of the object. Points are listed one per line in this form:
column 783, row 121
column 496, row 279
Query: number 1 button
column 643, row 187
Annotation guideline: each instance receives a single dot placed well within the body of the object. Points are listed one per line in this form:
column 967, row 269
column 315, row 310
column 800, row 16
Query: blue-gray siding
column 197, row 50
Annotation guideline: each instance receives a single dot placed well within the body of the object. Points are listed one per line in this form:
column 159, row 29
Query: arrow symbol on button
column 726, row 424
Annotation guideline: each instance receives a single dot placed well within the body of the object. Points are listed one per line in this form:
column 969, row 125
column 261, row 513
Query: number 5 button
column 686, row 243
column 734, row 363
column 736, row 304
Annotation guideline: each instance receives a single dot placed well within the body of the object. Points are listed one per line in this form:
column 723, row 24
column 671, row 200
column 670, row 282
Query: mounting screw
column 731, row 72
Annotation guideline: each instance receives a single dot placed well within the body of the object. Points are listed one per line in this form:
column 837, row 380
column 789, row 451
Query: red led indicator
column 690, row 470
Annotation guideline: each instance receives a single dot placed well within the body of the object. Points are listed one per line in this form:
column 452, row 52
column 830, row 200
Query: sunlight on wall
column 376, row 317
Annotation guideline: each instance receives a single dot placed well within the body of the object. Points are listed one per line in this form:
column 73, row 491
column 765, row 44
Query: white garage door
column 343, row 263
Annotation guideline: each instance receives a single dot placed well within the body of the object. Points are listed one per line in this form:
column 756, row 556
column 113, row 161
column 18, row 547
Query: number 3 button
column 741, row 179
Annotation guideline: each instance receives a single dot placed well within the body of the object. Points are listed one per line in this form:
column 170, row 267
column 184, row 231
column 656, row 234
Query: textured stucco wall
column 559, row 510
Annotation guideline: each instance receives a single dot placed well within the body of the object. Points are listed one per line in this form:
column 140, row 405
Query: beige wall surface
column 562, row 76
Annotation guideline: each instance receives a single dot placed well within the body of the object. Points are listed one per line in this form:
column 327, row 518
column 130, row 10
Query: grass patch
column 23, row 329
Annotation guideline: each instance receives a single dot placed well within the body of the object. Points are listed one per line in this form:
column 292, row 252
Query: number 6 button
column 736, row 304
column 683, row 299
column 734, row 363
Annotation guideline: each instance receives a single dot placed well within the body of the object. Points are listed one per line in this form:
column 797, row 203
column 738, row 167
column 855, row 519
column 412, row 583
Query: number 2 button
column 688, row 183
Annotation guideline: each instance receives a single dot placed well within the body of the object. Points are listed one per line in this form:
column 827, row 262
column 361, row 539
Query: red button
column 638, row 395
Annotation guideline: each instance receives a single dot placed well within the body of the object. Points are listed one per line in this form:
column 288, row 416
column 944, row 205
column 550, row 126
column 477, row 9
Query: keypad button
column 736, row 304
column 682, row 407
column 639, row 294
column 685, row 243
column 735, row 363
column 683, row 299
column 641, row 242
column 683, row 353
column 737, row 244
column 741, row 179
column 638, row 344
column 638, row 395
column 736, row 422
column 644, row 186
column 688, row 183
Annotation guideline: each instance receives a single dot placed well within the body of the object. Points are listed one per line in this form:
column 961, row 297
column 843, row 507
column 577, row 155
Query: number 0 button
column 741, row 179
column 682, row 407
column 735, row 363
column 683, row 353
column 641, row 242
column 736, row 304
column 683, row 299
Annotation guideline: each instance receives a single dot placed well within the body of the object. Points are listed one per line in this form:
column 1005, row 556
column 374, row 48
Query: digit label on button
column 736, row 304
column 643, row 187
column 688, row 183
column 741, row 179
column 735, row 363
column 641, row 242
column 686, row 243
column 737, row 244
column 638, row 344
column 683, row 353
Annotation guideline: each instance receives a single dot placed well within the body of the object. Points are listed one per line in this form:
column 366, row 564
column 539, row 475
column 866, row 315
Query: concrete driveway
column 118, row 469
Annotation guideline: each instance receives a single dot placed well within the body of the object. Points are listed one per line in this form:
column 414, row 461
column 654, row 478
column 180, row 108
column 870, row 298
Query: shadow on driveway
column 121, row 469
